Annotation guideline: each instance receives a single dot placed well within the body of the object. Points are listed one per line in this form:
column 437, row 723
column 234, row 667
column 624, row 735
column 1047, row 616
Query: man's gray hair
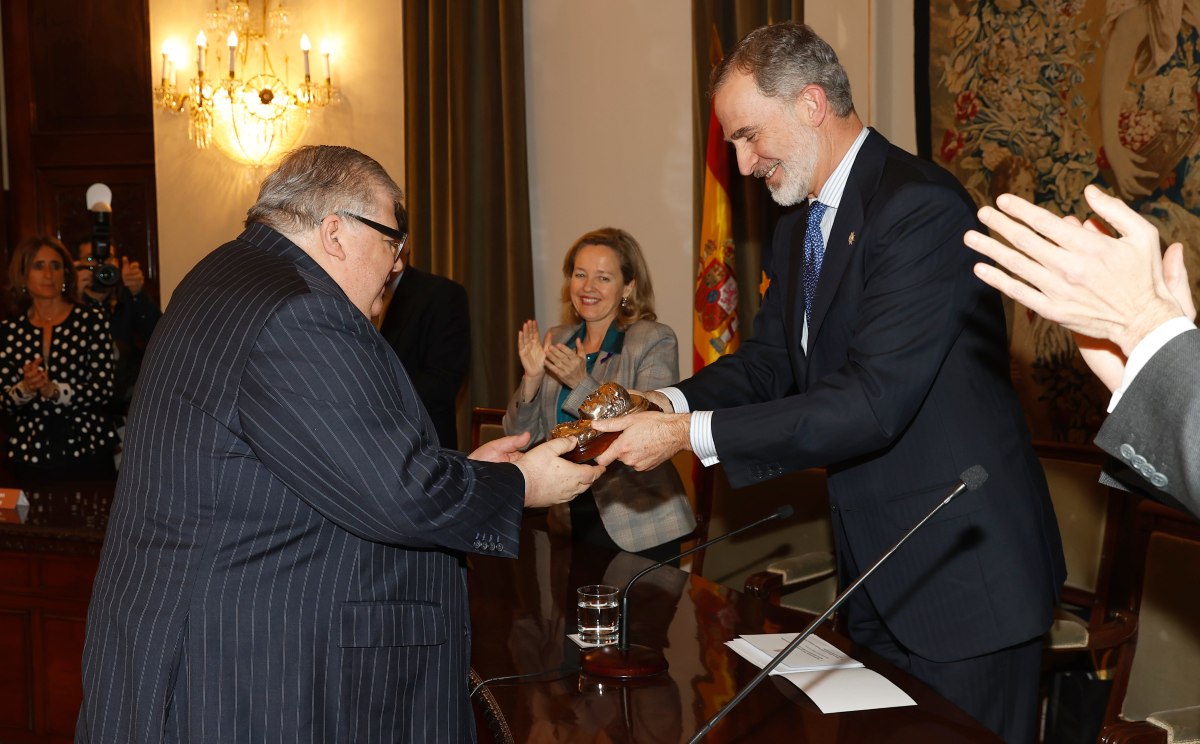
column 315, row 181
column 783, row 58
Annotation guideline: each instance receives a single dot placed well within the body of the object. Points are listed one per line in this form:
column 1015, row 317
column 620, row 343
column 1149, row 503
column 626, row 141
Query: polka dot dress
column 48, row 432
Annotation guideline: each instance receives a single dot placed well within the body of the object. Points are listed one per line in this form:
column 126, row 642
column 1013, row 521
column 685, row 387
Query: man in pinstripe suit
column 284, row 559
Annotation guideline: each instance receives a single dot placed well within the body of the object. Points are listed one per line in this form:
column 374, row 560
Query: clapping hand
column 35, row 379
column 1109, row 291
column 567, row 366
column 531, row 349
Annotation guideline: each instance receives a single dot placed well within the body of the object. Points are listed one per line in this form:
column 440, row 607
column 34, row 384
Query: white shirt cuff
column 701, row 438
column 677, row 398
column 1147, row 348
column 18, row 396
column 700, row 433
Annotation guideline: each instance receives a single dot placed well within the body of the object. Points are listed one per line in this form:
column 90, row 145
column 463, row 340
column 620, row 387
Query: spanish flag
column 715, row 323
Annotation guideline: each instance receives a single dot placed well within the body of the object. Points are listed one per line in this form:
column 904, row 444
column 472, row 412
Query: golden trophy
column 609, row 401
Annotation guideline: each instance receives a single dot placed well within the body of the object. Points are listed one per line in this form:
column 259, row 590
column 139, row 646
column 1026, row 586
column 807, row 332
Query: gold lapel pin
column 850, row 240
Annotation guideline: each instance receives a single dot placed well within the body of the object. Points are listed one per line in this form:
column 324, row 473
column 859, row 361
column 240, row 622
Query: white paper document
column 832, row 680
column 815, row 653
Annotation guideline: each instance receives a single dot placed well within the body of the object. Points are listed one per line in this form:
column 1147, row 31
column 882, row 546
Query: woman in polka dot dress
column 56, row 369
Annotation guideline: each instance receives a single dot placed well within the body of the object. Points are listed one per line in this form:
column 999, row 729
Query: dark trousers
column 1000, row 689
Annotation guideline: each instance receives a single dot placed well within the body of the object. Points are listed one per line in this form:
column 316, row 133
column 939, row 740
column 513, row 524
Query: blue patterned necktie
column 814, row 253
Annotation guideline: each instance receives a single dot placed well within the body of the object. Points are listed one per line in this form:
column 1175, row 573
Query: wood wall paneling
column 61, row 193
column 16, row 673
column 42, row 624
column 80, row 111
column 62, row 650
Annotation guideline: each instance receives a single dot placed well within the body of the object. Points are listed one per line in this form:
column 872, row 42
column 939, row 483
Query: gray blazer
column 639, row 510
column 1154, row 432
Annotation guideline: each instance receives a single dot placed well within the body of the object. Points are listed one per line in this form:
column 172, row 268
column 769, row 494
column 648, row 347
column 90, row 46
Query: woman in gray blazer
column 611, row 336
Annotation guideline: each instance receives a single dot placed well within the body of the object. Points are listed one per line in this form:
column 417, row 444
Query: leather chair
column 806, row 581
column 1090, row 516
column 1156, row 688
column 1078, row 650
column 486, row 424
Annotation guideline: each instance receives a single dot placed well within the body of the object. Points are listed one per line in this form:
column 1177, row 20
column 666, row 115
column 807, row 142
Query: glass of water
column 598, row 613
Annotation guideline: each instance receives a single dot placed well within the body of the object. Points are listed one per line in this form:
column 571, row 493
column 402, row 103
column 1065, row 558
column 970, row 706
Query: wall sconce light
column 253, row 117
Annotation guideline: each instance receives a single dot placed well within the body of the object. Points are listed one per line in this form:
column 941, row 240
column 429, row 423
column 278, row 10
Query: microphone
column 624, row 661
column 971, row 479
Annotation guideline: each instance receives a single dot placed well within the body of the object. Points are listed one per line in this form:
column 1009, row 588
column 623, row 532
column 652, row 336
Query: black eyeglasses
column 397, row 239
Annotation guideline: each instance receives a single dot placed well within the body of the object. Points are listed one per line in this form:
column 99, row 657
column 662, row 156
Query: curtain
column 754, row 214
column 467, row 189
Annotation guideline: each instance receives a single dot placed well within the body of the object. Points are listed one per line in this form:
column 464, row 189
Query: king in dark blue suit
column 284, row 559
column 878, row 355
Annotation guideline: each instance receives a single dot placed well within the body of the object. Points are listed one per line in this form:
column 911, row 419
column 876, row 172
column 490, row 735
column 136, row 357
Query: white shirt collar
column 831, row 192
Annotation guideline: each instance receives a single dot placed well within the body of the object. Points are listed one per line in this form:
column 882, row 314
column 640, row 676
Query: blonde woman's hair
column 640, row 304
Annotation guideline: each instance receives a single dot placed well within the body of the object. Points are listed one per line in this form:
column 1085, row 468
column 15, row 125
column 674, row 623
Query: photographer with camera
column 115, row 286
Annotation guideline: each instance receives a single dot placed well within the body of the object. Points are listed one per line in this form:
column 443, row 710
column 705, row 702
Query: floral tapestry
column 1041, row 97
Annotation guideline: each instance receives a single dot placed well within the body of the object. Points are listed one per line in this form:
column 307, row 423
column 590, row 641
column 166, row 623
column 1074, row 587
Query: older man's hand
column 549, row 479
column 647, row 439
column 503, row 449
column 1093, row 284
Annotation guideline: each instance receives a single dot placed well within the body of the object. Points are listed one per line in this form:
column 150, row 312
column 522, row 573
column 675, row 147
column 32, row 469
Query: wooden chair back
column 1157, row 670
column 486, row 424
column 1090, row 516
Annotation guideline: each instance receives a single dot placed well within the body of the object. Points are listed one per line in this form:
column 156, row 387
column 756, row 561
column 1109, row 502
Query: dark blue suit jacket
column 284, row 560
column 428, row 325
column 905, row 386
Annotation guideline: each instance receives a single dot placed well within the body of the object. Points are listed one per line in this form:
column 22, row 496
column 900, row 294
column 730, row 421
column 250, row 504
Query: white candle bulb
column 201, row 48
column 305, row 46
column 232, row 50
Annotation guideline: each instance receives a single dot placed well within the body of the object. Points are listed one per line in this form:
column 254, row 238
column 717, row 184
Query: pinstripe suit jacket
column 428, row 325
column 284, row 557
column 639, row 510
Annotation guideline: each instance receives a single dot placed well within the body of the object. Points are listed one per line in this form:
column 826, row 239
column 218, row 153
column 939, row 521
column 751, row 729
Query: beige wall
column 609, row 97
column 874, row 41
column 203, row 195
column 609, row 128
column 610, row 133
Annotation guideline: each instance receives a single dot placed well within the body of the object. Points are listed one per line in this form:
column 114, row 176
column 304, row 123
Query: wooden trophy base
column 630, row 663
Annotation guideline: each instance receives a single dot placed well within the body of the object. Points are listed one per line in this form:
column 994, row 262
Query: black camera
column 99, row 203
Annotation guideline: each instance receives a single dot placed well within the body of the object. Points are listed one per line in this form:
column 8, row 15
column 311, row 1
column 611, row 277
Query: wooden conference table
column 522, row 610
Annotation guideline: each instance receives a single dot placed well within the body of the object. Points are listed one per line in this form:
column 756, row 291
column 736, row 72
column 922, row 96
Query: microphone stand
column 624, row 661
column 977, row 476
